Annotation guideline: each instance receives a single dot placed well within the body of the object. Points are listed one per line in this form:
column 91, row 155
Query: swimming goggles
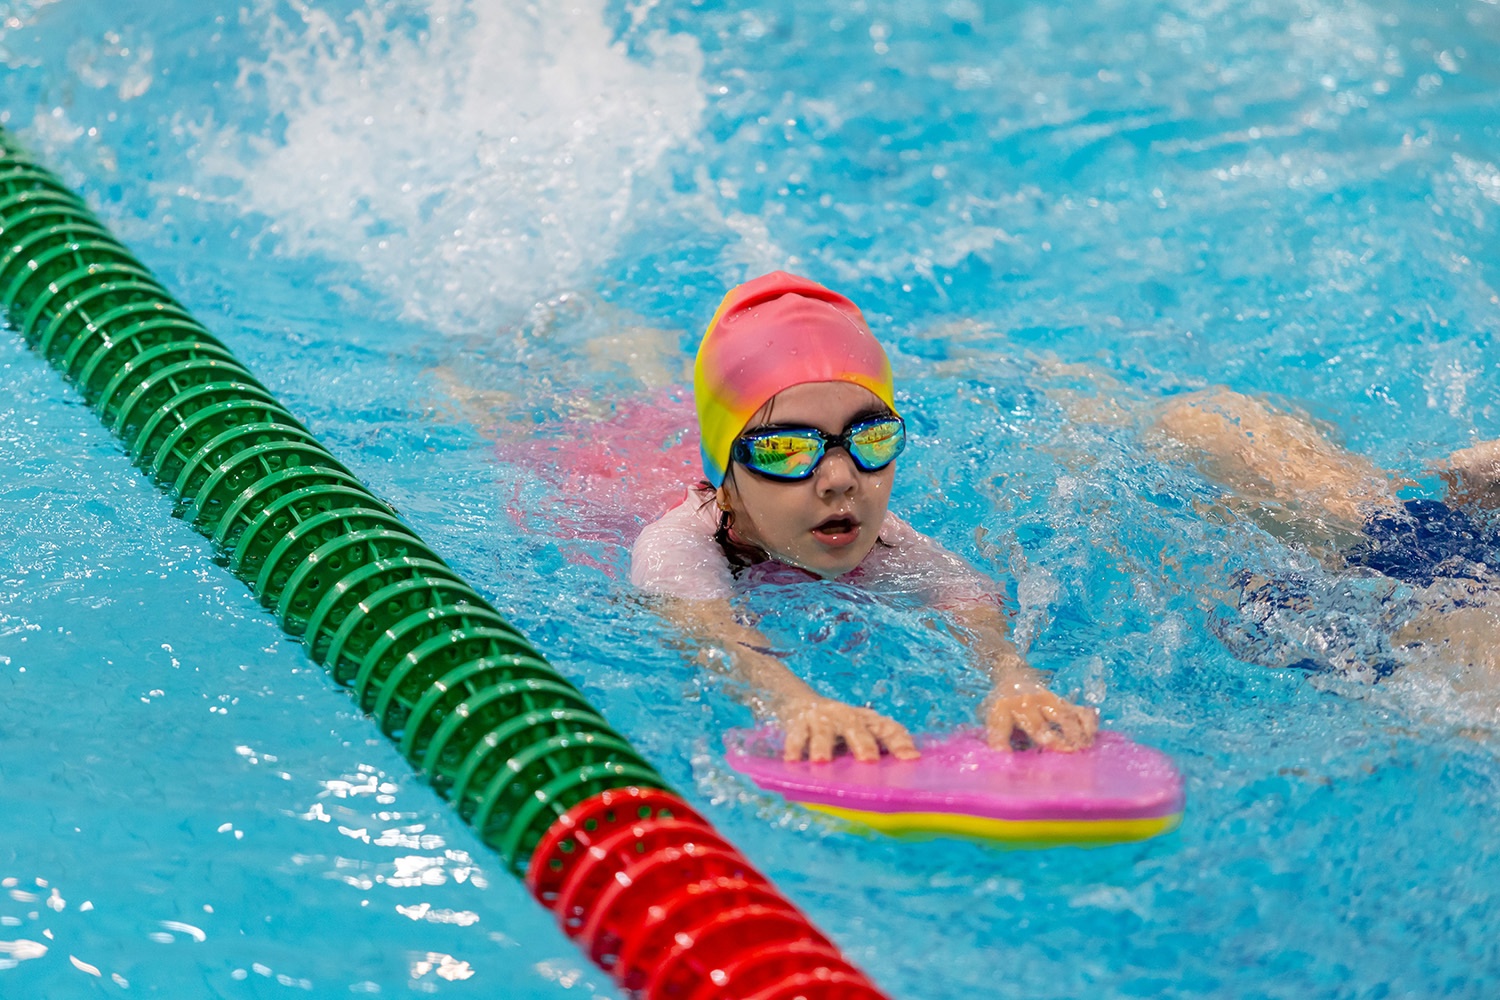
column 789, row 454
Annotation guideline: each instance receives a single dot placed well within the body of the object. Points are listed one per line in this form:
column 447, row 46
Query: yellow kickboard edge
column 1009, row 832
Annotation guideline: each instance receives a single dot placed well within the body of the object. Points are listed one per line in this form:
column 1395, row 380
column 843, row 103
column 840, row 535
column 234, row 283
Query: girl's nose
column 836, row 473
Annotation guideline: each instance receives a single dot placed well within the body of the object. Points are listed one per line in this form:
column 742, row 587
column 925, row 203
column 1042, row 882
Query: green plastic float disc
column 432, row 658
column 462, row 683
column 54, row 304
column 206, row 432
column 203, row 425
column 188, row 470
column 57, row 260
column 518, row 841
column 242, row 471
column 66, row 278
column 478, row 760
column 316, row 622
column 69, row 321
column 20, row 247
column 70, row 223
column 135, row 370
column 344, row 555
column 135, row 404
column 492, row 808
column 129, row 407
column 370, row 617
column 16, row 178
column 461, row 731
column 87, row 358
column 561, row 715
column 191, row 473
column 314, row 535
column 273, row 506
column 214, row 434
column 15, row 203
column 177, row 410
column 494, row 760
column 36, row 211
column 77, row 317
column 114, row 337
column 53, row 296
column 405, row 629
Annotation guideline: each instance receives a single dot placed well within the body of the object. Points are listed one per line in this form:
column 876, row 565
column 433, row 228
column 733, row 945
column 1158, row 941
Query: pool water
column 453, row 235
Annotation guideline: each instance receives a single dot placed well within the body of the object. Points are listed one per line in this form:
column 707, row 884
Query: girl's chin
column 829, row 563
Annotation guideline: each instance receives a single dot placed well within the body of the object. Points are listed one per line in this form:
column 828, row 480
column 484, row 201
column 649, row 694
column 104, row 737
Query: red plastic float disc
column 589, row 822
column 771, row 965
column 603, row 861
column 700, row 953
column 679, row 914
column 819, row 986
column 621, row 908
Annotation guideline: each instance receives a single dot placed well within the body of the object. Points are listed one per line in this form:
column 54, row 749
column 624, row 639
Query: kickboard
column 1112, row 792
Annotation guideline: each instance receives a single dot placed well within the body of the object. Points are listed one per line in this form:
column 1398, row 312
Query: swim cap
column 770, row 334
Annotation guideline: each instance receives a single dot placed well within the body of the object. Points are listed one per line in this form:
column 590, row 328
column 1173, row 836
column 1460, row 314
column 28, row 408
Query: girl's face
column 828, row 522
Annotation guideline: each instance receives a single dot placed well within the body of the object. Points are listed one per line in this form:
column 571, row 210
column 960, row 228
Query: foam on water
column 462, row 156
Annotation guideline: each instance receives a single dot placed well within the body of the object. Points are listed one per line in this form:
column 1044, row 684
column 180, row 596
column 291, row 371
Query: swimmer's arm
column 1020, row 708
column 813, row 724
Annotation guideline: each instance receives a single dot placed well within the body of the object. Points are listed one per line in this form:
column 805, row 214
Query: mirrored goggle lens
column 790, row 455
column 876, row 445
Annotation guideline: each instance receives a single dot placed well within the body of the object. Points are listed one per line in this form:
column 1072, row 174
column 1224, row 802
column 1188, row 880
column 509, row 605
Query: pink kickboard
column 1113, row 779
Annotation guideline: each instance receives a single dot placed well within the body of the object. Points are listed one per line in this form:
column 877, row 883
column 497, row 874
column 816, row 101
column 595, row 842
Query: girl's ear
column 723, row 498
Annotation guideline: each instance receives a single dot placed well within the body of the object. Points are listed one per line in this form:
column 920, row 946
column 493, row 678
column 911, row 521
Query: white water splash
column 15, row 17
column 484, row 161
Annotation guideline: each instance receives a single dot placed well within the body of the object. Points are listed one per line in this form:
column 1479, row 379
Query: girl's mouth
column 837, row 531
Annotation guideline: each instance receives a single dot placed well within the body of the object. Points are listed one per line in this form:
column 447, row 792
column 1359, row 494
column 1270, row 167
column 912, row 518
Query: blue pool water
column 433, row 225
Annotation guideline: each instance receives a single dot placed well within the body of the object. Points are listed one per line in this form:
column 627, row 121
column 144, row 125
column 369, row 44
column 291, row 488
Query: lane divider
column 642, row 882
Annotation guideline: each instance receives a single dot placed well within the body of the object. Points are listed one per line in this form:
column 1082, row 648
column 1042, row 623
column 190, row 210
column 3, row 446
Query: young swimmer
column 800, row 437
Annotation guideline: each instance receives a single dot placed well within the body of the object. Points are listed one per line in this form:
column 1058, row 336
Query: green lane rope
column 467, row 699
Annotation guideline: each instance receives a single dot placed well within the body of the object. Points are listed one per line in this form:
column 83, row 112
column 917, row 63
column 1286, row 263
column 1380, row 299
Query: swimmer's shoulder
column 690, row 512
column 677, row 555
column 896, row 533
column 946, row 577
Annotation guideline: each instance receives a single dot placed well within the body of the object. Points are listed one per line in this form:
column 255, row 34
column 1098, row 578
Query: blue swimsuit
column 1430, row 540
column 1424, row 541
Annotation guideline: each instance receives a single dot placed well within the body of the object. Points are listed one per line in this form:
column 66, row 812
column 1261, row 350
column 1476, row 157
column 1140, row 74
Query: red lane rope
column 670, row 909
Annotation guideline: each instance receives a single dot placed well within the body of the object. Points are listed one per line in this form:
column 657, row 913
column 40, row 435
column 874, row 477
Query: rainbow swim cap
column 770, row 334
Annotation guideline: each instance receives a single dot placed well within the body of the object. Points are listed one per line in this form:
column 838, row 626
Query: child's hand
column 1037, row 717
column 814, row 725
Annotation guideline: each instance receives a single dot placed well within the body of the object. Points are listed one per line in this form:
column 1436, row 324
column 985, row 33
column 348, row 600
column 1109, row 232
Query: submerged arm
column 813, row 724
column 1020, row 709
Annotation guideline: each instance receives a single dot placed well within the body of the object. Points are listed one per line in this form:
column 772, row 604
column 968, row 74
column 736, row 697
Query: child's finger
column 1088, row 724
column 796, row 741
column 820, row 742
column 895, row 738
column 1000, row 730
column 1070, row 724
column 1035, row 724
column 860, row 740
column 1091, row 722
column 900, row 742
